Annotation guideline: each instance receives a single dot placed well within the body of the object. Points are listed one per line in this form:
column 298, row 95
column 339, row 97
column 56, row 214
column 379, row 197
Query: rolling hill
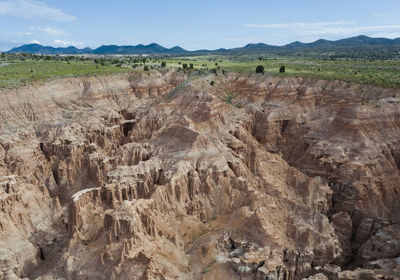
column 350, row 46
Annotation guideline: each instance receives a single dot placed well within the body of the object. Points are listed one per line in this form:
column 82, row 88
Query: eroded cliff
column 164, row 176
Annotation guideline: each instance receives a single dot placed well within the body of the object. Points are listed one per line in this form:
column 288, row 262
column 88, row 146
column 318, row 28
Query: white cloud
column 34, row 41
column 338, row 28
column 49, row 30
column 391, row 35
column 62, row 43
column 5, row 32
column 33, row 9
column 299, row 24
column 350, row 30
column 380, row 15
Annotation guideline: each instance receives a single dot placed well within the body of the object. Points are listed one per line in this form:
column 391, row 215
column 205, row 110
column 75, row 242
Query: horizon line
column 154, row 43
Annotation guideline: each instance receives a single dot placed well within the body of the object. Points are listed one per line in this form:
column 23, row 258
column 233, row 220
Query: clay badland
column 161, row 176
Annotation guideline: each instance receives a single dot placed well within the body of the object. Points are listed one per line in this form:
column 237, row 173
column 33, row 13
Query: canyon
column 176, row 175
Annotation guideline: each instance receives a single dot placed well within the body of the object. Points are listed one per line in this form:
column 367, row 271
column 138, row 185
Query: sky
column 192, row 24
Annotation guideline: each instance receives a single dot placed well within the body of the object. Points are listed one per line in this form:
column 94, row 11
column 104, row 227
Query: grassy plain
column 380, row 73
column 21, row 70
column 20, row 73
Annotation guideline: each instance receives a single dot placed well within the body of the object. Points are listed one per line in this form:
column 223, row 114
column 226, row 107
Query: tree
column 282, row 69
column 260, row 69
column 191, row 65
column 163, row 64
column 3, row 55
column 146, row 68
column 185, row 66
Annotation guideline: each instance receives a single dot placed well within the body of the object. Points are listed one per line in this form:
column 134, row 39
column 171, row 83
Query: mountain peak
column 154, row 48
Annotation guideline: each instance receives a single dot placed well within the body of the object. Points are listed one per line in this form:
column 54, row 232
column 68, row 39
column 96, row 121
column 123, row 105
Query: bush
column 212, row 83
column 185, row 66
column 146, row 68
column 163, row 64
column 228, row 98
column 191, row 66
column 260, row 69
column 282, row 69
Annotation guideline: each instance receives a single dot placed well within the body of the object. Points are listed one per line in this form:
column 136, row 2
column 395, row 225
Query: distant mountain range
column 39, row 49
column 155, row 49
column 109, row 49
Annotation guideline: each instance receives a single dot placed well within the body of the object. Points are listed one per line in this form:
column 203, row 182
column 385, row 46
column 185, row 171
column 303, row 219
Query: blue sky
column 192, row 24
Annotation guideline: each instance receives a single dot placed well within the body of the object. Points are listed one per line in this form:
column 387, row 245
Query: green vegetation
column 21, row 69
column 206, row 270
column 385, row 73
column 229, row 97
column 23, row 73
column 260, row 69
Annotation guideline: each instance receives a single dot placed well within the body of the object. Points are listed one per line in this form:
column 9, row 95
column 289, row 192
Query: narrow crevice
column 127, row 127
column 232, row 244
column 42, row 148
column 55, row 176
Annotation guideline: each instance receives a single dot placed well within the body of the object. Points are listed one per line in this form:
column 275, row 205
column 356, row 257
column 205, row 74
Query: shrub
column 228, row 98
column 146, row 68
column 185, row 66
column 212, row 83
column 260, row 69
column 282, row 69
column 163, row 64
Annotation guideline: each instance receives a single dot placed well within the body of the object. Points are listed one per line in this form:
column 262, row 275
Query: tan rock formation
column 155, row 176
